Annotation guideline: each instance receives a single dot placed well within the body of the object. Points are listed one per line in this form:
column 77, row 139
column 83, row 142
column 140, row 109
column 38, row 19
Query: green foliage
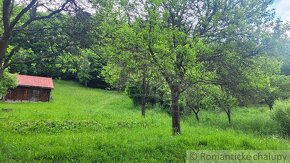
column 62, row 47
column 90, row 67
column 199, row 97
column 285, row 69
column 127, row 55
column 7, row 81
column 279, row 88
column 282, row 116
column 224, row 100
column 134, row 92
column 84, row 71
column 162, row 39
column 112, row 74
column 23, row 54
column 153, row 95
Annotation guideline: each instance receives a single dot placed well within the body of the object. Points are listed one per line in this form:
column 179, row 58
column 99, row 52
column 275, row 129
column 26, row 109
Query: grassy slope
column 83, row 124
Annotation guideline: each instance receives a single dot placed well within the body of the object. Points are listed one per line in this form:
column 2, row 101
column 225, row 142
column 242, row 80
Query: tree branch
column 10, row 55
column 6, row 17
column 21, row 13
column 47, row 16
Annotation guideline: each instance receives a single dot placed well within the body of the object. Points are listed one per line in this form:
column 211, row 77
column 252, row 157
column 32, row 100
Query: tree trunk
column 143, row 95
column 229, row 116
column 1, row 72
column 196, row 116
column 143, row 104
column 270, row 103
column 3, row 49
column 175, row 110
column 270, row 107
column 143, row 108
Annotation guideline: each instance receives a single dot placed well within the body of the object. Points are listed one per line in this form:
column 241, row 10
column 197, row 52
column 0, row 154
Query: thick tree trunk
column 6, row 14
column 175, row 110
column 3, row 49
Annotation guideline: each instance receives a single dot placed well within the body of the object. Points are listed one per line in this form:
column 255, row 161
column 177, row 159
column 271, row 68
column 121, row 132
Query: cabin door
column 35, row 95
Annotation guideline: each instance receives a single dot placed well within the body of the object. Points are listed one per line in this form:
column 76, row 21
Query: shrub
column 282, row 116
column 134, row 92
column 7, row 81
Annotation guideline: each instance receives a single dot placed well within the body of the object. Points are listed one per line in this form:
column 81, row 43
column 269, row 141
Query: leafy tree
column 193, row 42
column 14, row 20
column 66, row 66
column 78, row 29
column 8, row 81
column 199, row 97
column 129, row 63
column 84, row 70
column 57, row 48
column 83, row 73
column 285, row 69
column 225, row 102
column 279, row 88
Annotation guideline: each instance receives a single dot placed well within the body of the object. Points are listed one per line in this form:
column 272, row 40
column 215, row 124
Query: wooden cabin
column 31, row 88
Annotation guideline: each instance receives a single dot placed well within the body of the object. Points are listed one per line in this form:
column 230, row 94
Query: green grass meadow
column 92, row 125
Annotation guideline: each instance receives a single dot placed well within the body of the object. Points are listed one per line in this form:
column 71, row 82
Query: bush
column 7, row 81
column 282, row 116
column 134, row 92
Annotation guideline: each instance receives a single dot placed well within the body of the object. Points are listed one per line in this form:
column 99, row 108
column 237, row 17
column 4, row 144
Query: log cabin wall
column 28, row 94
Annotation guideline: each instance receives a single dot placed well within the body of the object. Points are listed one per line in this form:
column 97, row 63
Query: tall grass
column 85, row 125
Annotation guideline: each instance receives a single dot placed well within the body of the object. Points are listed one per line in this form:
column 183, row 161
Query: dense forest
column 183, row 56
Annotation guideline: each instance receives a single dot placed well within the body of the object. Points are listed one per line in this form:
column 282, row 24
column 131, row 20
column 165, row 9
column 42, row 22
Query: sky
column 282, row 9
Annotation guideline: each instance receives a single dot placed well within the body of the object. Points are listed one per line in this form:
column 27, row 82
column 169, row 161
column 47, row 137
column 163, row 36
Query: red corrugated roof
column 34, row 81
